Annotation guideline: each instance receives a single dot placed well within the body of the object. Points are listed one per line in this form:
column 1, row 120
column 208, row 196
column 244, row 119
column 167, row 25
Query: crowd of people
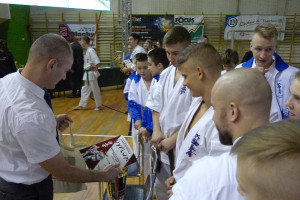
column 222, row 130
column 211, row 118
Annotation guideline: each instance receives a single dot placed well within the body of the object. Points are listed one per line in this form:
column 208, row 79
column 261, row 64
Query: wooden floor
column 93, row 127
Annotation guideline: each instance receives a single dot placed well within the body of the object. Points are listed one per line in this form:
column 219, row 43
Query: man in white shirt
column 241, row 99
column 278, row 73
column 200, row 65
column 133, row 41
column 170, row 104
column 29, row 151
column 268, row 162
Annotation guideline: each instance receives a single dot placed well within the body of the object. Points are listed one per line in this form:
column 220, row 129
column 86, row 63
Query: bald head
column 246, row 87
column 49, row 46
column 242, row 101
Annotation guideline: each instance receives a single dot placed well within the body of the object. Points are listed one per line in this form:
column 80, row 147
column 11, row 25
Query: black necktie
column 48, row 101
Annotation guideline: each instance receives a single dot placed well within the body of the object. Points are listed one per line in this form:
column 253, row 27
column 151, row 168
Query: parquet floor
column 92, row 127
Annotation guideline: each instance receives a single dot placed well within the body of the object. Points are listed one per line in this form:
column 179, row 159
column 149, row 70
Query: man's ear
column 201, row 72
column 160, row 66
column 50, row 64
column 234, row 112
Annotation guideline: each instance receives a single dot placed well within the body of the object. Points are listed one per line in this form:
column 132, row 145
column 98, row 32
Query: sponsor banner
column 193, row 23
column 78, row 31
column 243, row 25
column 152, row 27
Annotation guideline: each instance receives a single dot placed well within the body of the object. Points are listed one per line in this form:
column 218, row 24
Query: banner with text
column 193, row 23
column 243, row 25
column 152, row 27
column 78, row 31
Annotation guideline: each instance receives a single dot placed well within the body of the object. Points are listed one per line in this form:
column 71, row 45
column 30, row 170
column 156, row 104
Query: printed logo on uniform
column 194, row 143
column 183, row 90
column 278, row 85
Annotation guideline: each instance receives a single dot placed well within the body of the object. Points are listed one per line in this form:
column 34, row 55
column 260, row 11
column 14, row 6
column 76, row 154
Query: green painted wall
column 16, row 34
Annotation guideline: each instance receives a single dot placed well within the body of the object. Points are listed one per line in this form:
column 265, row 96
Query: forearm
column 155, row 117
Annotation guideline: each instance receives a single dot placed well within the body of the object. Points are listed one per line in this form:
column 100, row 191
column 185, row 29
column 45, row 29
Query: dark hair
column 3, row 46
column 135, row 37
column 86, row 39
column 141, row 57
column 230, row 56
column 159, row 55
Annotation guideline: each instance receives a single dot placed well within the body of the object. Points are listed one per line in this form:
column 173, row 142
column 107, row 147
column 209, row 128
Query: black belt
column 18, row 191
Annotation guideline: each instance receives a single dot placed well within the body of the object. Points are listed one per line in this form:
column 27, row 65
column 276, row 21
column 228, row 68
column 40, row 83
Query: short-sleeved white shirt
column 28, row 130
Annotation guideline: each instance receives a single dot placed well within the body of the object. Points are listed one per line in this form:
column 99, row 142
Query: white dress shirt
column 28, row 130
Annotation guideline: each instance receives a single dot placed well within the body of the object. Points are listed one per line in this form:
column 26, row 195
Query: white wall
column 266, row 7
column 4, row 12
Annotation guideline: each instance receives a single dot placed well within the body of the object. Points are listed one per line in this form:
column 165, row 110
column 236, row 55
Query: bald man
column 200, row 65
column 29, row 151
column 234, row 98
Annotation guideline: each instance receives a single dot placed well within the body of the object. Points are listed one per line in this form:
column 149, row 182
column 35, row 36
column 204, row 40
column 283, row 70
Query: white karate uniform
column 201, row 140
column 137, row 96
column 90, row 79
column 209, row 178
column 136, row 50
column 280, row 77
column 172, row 103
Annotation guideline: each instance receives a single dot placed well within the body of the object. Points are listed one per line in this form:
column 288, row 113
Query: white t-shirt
column 90, row 59
column 28, row 130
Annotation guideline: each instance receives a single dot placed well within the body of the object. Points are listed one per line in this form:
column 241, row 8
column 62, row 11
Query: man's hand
column 138, row 124
column 170, row 183
column 167, row 144
column 111, row 172
column 144, row 134
column 63, row 121
column 261, row 69
column 156, row 139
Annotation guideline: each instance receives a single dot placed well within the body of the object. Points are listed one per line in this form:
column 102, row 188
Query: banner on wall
column 243, row 25
column 193, row 23
column 152, row 27
column 77, row 31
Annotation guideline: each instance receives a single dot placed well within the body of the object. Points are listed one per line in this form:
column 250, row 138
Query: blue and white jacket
column 280, row 78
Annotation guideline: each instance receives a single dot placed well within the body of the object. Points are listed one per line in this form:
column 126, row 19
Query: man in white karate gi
column 242, row 100
column 278, row 73
column 200, row 65
column 170, row 107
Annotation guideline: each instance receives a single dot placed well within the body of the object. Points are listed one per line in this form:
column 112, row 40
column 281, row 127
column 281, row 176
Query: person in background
column 268, row 162
column 278, row 73
column 159, row 44
column 247, row 56
column 29, row 150
column 127, row 70
column 230, row 59
column 76, row 73
column 133, row 41
column 148, row 45
column 7, row 63
column 90, row 77
column 294, row 101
